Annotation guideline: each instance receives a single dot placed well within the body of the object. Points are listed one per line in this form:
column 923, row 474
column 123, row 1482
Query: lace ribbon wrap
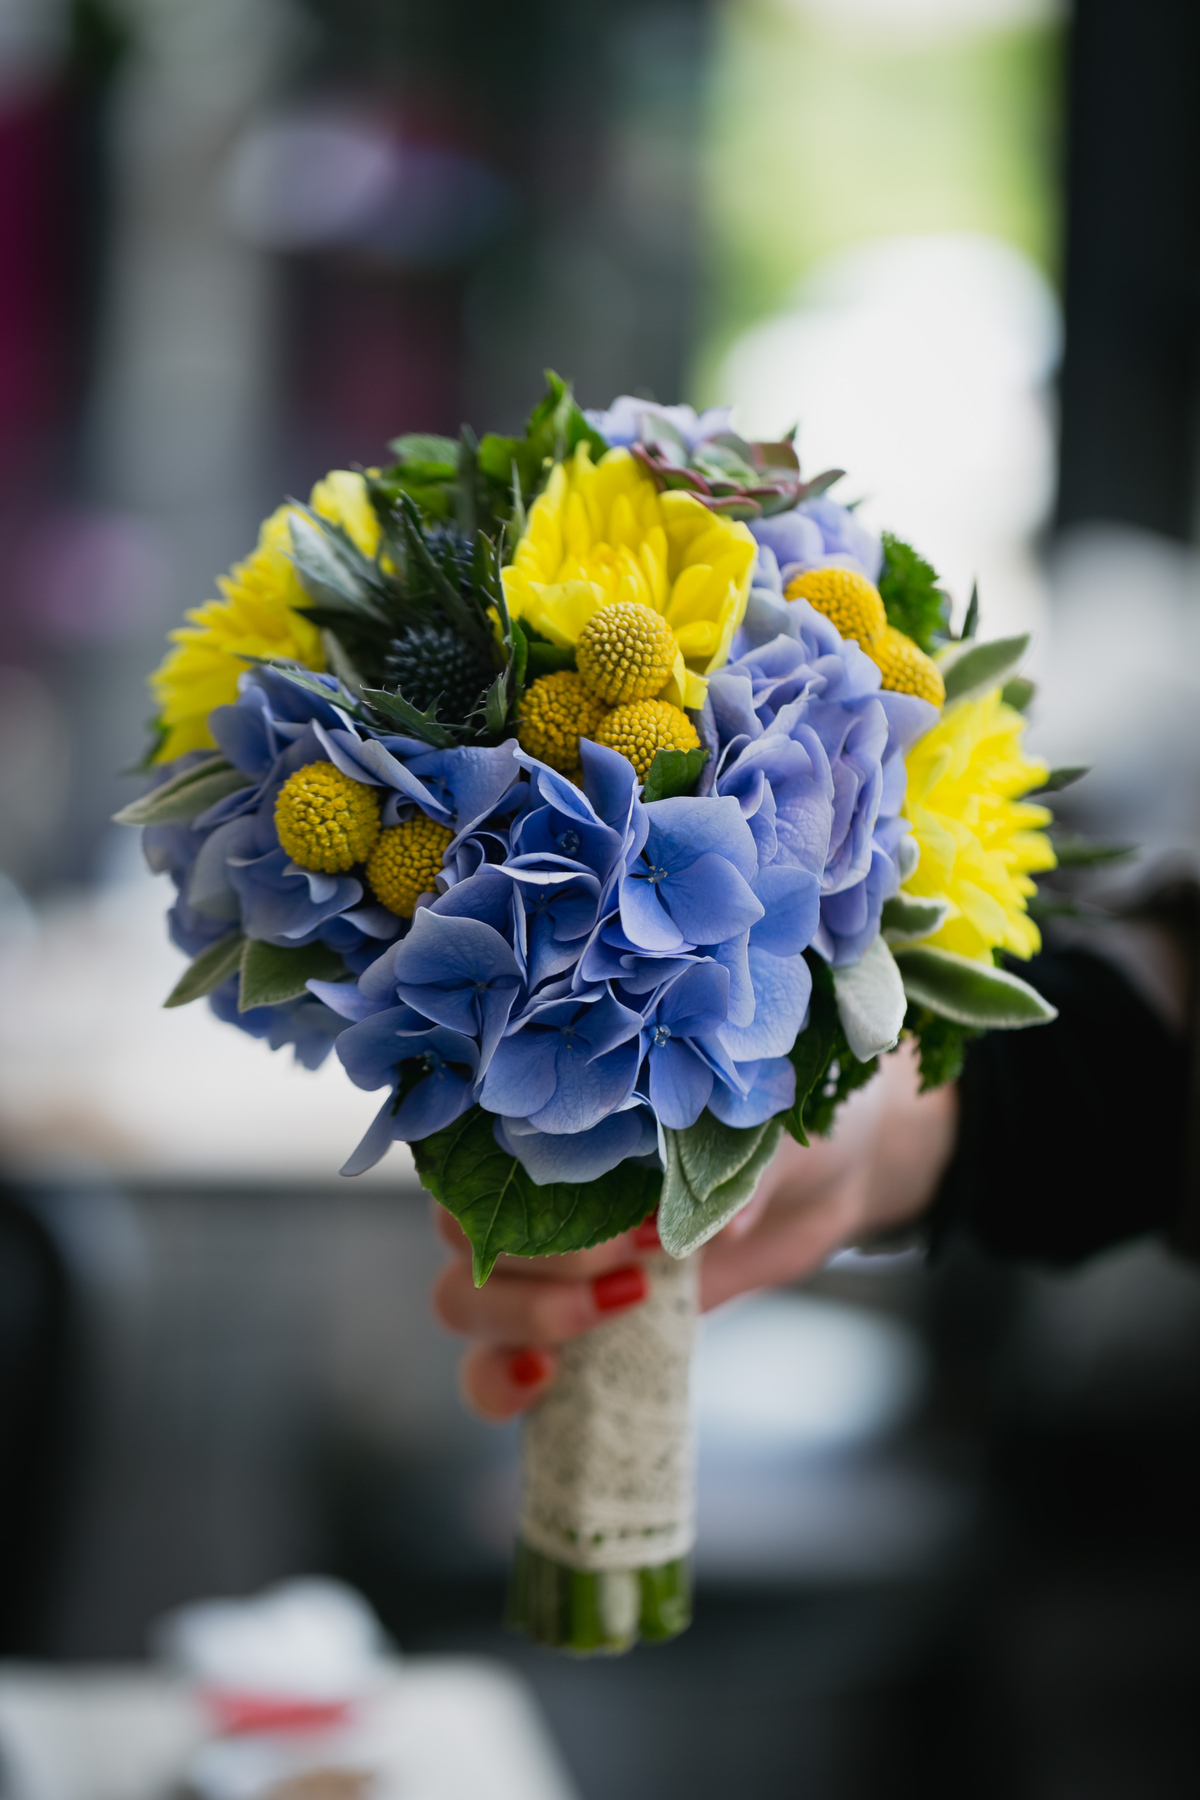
column 607, row 1456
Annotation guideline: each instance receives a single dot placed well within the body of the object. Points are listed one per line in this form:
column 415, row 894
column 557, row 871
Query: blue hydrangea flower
column 817, row 534
column 632, row 421
column 429, row 1070
column 567, row 1062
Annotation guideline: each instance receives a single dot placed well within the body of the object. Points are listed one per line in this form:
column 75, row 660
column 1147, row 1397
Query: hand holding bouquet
column 611, row 799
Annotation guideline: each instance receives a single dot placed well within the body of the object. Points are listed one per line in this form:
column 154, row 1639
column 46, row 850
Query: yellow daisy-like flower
column 602, row 532
column 979, row 841
column 261, row 613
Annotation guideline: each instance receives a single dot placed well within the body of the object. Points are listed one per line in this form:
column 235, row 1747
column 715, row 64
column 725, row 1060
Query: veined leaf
column 673, row 772
column 972, row 668
column 712, row 1171
column 186, row 795
column 970, row 992
column 501, row 1209
column 272, row 973
column 208, row 970
column 907, row 917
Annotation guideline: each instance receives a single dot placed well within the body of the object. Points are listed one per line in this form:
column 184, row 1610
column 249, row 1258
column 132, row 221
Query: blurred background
column 949, row 1537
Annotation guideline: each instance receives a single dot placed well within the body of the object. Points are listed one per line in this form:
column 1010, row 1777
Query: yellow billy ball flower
column 602, row 532
column 979, row 841
column 406, row 861
column 643, row 727
column 847, row 599
column 906, row 668
column 261, row 613
column 325, row 820
column 626, row 652
column 555, row 712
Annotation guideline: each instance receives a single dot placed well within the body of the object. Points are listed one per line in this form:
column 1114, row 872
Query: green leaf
column 1019, row 693
column 871, row 1003
column 495, row 705
column 1058, row 779
column 544, row 658
column 1079, row 853
column 975, row 668
column 712, row 1170
column 272, row 973
column 826, row 1068
column 398, row 712
column 332, row 570
column 208, row 970
column 912, row 599
column 906, row 917
column 969, row 992
column 423, row 448
column 673, row 772
column 186, row 795
column 971, row 622
column 501, row 1209
column 941, row 1045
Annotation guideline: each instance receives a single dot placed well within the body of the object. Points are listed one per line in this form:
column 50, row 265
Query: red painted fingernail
column 528, row 1367
column 646, row 1236
column 621, row 1287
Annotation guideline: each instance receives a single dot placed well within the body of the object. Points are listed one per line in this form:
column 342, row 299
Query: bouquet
column 610, row 798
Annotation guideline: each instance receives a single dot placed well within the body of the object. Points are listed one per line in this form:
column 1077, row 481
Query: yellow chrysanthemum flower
column 602, row 532
column 979, row 841
column 260, row 614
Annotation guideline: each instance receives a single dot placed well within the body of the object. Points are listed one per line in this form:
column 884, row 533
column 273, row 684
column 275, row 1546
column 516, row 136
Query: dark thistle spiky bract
column 431, row 665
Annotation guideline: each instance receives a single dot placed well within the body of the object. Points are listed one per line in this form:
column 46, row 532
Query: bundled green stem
column 594, row 1612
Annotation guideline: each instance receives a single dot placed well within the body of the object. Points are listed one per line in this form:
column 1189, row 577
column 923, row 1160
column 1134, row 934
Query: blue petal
column 782, row 988
column 772, row 1090
column 521, row 1075
column 580, row 1155
column 709, row 900
column 680, row 1084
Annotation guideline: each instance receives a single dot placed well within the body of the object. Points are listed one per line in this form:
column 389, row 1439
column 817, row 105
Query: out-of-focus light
column 33, row 39
column 92, row 575
column 793, row 1375
column 928, row 18
column 313, row 180
column 921, row 365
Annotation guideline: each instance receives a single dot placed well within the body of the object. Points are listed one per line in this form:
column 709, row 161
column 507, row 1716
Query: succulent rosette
column 610, row 798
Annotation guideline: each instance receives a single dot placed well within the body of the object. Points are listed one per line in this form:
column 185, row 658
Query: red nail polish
column 621, row 1287
column 528, row 1367
column 646, row 1236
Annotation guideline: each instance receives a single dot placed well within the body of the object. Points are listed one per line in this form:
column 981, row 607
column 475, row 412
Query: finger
column 499, row 1381
column 515, row 1309
column 786, row 1243
column 577, row 1265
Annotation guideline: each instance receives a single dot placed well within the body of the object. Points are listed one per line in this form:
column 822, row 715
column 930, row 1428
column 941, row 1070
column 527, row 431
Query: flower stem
column 597, row 1612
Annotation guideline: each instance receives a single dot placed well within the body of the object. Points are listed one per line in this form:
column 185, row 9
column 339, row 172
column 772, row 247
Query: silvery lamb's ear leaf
column 906, row 918
column 1019, row 693
column 712, row 1171
column 970, row 992
column 972, row 668
column 332, row 572
column 673, row 772
column 208, row 970
column 186, row 795
column 871, row 1002
column 273, row 973
column 500, row 1207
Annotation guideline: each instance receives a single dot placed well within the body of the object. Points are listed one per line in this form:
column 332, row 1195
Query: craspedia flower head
column 980, row 841
column 555, row 712
column 405, row 862
column 326, row 821
column 640, row 729
column 847, row 599
column 626, row 652
column 906, row 668
column 602, row 532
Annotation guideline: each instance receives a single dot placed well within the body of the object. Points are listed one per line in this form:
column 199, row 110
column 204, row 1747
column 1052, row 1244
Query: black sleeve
column 1071, row 1135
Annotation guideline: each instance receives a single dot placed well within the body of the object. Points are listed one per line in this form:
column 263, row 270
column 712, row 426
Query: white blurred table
column 439, row 1728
